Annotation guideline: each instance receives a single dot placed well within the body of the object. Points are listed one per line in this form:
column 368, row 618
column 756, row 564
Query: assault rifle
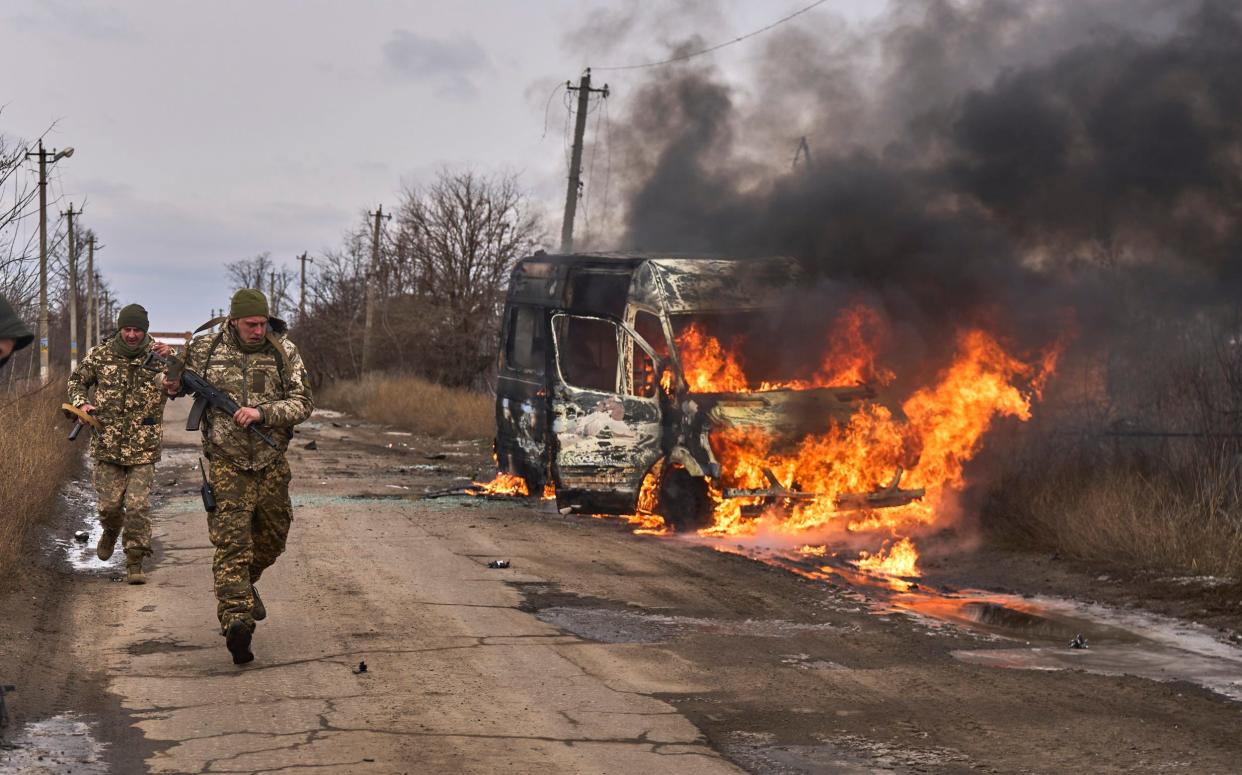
column 205, row 395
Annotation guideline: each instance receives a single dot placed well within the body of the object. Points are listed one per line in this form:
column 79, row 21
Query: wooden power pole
column 73, row 288
column 302, row 259
column 42, row 156
column 575, row 160
column 372, row 290
column 92, row 330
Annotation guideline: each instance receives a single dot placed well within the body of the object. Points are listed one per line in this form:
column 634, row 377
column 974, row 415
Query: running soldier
column 129, row 404
column 251, row 361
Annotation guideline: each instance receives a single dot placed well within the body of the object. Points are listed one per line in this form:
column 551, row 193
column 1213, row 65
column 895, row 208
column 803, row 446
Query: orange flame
column 901, row 559
column 645, row 517
column 943, row 428
column 503, row 484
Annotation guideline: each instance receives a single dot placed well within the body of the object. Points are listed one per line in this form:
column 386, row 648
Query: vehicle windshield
column 771, row 350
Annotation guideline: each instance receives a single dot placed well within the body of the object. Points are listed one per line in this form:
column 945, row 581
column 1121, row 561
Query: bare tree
column 456, row 242
column 261, row 273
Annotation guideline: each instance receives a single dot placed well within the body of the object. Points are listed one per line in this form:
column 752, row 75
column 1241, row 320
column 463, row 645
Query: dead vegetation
column 414, row 404
column 1123, row 514
column 35, row 460
column 1138, row 462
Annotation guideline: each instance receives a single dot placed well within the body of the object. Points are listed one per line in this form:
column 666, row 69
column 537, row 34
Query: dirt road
column 597, row 651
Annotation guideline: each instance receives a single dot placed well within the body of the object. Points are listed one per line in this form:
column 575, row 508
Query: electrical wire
column 718, row 46
column 548, row 105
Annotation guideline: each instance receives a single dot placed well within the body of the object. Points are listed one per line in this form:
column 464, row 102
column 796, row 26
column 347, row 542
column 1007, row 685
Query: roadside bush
column 35, row 460
column 1125, row 512
column 414, row 404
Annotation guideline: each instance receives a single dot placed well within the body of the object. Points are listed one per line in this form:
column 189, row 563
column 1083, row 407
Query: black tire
column 683, row 500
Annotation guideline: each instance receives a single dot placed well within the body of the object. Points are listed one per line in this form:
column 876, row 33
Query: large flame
column 945, row 422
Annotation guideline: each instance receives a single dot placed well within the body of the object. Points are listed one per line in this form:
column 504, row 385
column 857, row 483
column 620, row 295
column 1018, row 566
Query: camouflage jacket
column 274, row 383
column 129, row 404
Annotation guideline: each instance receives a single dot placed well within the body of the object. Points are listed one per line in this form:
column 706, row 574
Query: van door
column 521, row 395
column 605, row 413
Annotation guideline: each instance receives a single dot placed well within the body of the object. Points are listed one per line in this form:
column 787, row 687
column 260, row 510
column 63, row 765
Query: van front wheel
column 683, row 500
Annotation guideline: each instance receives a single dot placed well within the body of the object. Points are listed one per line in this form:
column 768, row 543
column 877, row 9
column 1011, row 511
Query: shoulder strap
column 212, row 351
column 279, row 353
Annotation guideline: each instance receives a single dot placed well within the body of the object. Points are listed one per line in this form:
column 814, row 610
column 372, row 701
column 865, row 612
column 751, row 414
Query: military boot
column 258, row 611
column 237, row 637
column 133, row 567
column 107, row 542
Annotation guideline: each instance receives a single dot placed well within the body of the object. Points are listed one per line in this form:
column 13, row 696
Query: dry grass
column 1120, row 513
column 35, row 460
column 414, row 404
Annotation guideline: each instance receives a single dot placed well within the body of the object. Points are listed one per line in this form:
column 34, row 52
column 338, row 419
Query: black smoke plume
column 1011, row 162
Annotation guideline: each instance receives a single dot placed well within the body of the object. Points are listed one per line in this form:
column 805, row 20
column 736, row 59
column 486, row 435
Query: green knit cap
column 133, row 316
column 248, row 303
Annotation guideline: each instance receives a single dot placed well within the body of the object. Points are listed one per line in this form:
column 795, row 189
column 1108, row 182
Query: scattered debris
column 362, row 668
column 397, row 486
column 498, row 564
column 435, row 455
column 310, row 445
column 1079, row 642
column 82, row 536
column 4, row 713
column 337, row 425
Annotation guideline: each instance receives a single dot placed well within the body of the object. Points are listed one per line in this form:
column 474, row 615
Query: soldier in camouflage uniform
column 13, row 332
column 262, row 371
column 129, row 404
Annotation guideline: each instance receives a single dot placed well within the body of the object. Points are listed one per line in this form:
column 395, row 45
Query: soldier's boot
column 107, row 543
column 133, row 567
column 259, row 611
column 237, row 637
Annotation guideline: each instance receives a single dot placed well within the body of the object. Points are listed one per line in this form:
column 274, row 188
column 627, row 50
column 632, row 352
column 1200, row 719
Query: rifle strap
column 279, row 353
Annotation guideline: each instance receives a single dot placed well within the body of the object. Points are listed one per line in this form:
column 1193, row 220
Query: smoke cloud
column 1005, row 161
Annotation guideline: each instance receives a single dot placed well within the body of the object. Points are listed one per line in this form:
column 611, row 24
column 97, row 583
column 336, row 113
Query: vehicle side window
column 525, row 349
column 587, row 352
column 649, row 328
column 643, row 377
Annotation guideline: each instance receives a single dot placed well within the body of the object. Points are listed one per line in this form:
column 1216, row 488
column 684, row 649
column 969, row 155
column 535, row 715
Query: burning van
column 597, row 401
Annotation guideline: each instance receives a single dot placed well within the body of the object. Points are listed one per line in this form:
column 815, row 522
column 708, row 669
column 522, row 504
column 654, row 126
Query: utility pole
column 73, row 288
column 99, row 289
column 575, row 160
column 44, row 372
column 92, row 327
column 372, row 289
column 271, row 291
column 302, row 259
column 804, row 153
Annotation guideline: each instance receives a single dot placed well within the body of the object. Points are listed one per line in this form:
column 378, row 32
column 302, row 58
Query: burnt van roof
column 672, row 281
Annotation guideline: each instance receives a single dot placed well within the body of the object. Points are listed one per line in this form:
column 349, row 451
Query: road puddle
column 1036, row 633
column 61, row 744
column 77, row 502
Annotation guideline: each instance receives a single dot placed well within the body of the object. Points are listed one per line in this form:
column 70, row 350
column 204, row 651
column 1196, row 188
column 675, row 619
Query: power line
column 718, row 46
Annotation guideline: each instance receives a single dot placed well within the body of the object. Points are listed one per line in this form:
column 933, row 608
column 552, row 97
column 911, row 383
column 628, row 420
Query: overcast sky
column 207, row 132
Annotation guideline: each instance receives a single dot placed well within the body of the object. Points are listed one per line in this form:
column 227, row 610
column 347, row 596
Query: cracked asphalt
column 597, row 651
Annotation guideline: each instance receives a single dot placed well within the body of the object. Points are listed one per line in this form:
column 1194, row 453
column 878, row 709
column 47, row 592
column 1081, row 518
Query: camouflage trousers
column 248, row 529
column 124, row 494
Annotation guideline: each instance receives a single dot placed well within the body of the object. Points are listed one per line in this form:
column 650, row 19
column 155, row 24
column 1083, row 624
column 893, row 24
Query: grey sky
column 209, row 132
